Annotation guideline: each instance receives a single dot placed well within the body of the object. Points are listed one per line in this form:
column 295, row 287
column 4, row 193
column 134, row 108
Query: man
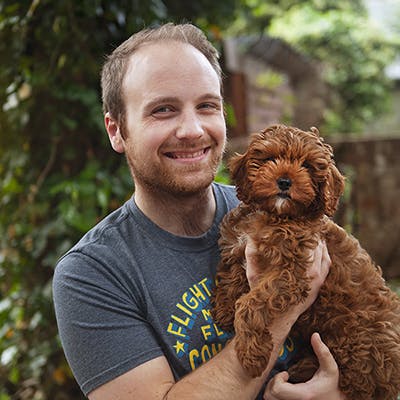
column 132, row 297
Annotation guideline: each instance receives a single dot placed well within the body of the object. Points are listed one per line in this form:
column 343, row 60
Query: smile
column 185, row 155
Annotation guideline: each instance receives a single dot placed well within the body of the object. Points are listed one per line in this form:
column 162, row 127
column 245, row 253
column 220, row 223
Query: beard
column 184, row 180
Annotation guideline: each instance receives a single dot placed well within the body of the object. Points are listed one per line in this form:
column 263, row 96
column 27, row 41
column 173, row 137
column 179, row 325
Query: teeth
column 186, row 155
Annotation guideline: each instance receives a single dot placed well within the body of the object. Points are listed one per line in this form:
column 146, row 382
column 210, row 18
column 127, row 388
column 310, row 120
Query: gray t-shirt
column 129, row 291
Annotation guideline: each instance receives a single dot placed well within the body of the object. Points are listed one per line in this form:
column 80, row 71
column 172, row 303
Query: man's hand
column 251, row 255
column 323, row 385
column 318, row 270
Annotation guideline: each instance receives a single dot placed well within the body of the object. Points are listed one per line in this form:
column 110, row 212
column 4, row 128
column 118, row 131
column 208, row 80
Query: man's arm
column 221, row 378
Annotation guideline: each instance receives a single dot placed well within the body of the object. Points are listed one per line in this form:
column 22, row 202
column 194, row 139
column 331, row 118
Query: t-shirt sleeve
column 101, row 321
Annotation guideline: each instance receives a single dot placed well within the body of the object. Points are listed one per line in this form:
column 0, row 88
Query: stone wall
column 370, row 207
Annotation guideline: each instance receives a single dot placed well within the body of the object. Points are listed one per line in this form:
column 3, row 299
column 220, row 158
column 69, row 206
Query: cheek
column 152, row 142
column 304, row 189
column 146, row 141
column 303, row 179
column 215, row 127
column 221, row 129
column 139, row 148
column 145, row 134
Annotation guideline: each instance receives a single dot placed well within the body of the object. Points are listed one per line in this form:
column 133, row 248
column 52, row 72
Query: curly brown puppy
column 289, row 186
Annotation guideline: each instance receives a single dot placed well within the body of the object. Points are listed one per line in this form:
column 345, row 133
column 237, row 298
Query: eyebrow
column 212, row 96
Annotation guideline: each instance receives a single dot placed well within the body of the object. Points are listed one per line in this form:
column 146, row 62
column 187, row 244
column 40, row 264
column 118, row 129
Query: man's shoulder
column 227, row 192
column 104, row 236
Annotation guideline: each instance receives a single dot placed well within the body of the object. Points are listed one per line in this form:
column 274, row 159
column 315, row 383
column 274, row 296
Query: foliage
column 352, row 52
column 354, row 55
column 257, row 15
column 395, row 285
column 58, row 176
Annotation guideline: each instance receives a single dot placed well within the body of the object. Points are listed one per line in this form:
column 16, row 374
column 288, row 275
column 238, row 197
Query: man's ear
column 114, row 133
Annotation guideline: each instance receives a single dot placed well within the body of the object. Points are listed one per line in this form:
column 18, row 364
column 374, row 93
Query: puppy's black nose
column 284, row 183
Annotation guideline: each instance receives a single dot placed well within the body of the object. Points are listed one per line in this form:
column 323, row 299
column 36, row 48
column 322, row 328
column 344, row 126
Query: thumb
column 327, row 363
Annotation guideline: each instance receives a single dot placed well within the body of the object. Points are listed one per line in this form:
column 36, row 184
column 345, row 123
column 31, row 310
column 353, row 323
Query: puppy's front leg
column 253, row 340
column 231, row 284
column 256, row 311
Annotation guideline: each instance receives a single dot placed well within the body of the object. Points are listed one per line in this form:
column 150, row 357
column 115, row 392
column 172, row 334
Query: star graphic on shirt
column 179, row 346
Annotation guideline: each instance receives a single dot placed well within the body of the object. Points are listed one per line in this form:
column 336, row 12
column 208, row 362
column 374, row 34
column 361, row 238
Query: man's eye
column 208, row 106
column 163, row 110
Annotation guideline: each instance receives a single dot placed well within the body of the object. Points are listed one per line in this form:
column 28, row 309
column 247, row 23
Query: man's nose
column 190, row 126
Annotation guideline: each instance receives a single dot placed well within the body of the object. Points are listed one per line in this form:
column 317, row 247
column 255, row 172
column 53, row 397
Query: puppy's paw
column 303, row 370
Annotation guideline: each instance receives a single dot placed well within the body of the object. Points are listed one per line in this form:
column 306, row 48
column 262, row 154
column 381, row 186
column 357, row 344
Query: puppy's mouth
column 284, row 195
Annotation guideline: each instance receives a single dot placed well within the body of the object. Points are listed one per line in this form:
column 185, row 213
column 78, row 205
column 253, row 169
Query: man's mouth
column 184, row 155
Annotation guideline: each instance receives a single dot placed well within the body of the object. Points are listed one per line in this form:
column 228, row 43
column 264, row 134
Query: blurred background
column 334, row 64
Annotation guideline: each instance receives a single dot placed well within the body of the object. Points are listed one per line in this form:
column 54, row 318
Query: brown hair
column 116, row 64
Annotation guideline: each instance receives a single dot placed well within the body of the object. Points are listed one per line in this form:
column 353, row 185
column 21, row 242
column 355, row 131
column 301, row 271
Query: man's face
column 175, row 127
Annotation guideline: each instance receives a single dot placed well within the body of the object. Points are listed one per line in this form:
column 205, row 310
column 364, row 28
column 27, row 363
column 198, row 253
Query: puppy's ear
column 238, row 169
column 334, row 189
column 315, row 131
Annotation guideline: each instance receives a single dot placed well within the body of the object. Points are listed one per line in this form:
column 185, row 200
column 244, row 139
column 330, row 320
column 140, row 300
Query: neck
column 182, row 215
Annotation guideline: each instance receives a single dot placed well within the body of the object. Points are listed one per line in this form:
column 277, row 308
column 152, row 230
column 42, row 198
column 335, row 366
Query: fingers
column 325, row 261
column 274, row 387
column 251, row 249
column 327, row 363
column 321, row 262
column 317, row 272
column 250, row 253
column 278, row 388
column 323, row 385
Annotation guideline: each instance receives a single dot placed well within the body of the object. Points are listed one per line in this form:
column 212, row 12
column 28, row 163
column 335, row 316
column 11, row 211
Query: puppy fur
column 289, row 188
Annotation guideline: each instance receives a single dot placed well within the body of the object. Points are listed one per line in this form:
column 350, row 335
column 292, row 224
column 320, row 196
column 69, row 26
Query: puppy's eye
column 269, row 159
column 306, row 165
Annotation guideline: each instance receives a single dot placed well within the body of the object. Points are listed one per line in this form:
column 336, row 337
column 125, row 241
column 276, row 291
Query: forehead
column 288, row 144
column 163, row 66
